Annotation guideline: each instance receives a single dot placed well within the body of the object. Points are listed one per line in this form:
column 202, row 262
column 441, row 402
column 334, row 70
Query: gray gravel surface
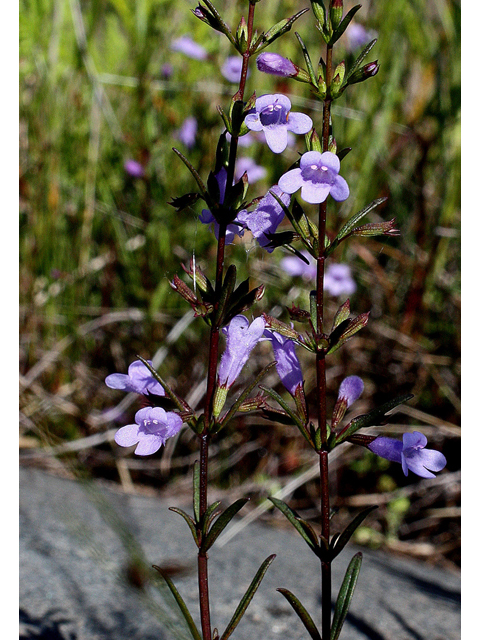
column 76, row 541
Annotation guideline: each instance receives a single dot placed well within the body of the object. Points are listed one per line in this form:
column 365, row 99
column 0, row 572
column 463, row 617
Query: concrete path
column 74, row 551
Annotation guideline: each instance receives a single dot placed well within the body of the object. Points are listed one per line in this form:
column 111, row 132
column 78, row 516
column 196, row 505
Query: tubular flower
column 410, row 453
column 317, row 176
column 266, row 217
column 288, row 366
column 241, row 339
column 272, row 115
column 276, row 65
column 139, row 380
column 153, row 427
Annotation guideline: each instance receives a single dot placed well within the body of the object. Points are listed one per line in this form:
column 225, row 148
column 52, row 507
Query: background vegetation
column 99, row 85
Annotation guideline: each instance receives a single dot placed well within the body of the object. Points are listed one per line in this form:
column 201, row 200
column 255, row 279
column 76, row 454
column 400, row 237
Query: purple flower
column 338, row 280
column 188, row 132
column 189, row 47
column 411, row 453
column 272, row 115
column 254, row 171
column 266, row 217
column 134, row 168
column 207, row 217
column 276, row 65
column 350, row 390
column 241, row 339
column 152, row 429
column 288, row 366
column 232, row 69
column 357, row 36
column 138, row 380
column 296, row 267
column 317, row 176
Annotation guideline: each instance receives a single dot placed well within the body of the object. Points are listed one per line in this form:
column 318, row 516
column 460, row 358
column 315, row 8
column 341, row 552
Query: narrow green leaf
column 196, row 492
column 294, row 519
column 349, row 226
column 222, row 521
column 310, row 69
column 345, row 595
column 344, row 24
column 302, row 613
column 245, row 601
column 278, row 30
column 181, row 603
column 347, row 533
column 189, row 520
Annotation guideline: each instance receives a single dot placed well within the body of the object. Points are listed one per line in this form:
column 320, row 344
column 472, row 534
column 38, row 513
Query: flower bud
column 336, row 12
column 277, row 65
column 367, row 71
column 242, row 36
column 318, row 9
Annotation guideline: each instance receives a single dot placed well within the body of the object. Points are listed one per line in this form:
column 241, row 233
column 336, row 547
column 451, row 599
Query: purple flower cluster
column 153, row 425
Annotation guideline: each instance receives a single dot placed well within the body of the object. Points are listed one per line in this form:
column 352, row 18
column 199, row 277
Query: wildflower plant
column 302, row 198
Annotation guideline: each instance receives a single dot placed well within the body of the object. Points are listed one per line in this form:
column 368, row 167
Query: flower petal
column 118, row 381
column 276, row 137
column 149, row 444
column 315, row 192
column 299, row 122
column 127, row 436
column 340, row 190
column 291, row 181
column 330, row 160
column 252, row 120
